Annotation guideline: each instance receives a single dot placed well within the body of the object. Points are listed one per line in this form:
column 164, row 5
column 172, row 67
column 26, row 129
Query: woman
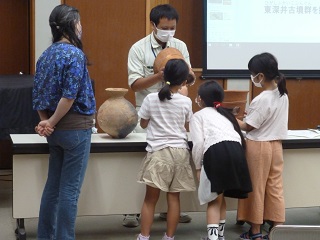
column 64, row 99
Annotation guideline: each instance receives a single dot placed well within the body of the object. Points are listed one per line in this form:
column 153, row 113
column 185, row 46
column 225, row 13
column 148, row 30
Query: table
column 110, row 185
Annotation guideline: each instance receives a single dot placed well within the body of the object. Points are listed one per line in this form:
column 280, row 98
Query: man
column 142, row 79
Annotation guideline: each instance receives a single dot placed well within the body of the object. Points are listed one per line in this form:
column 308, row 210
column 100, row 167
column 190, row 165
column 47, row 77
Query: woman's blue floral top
column 61, row 71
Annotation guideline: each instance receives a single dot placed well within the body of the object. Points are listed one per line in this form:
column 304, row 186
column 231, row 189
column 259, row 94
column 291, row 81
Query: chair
column 295, row 232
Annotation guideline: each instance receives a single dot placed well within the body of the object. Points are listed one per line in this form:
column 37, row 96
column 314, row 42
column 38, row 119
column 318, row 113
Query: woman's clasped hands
column 44, row 128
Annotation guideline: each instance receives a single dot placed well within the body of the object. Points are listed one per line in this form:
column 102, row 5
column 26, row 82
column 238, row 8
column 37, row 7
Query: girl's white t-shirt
column 268, row 114
column 166, row 127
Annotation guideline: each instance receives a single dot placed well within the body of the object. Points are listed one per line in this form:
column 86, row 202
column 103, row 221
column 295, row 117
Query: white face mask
column 255, row 83
column 165, row 35
column 198, row 101
column 79, row 34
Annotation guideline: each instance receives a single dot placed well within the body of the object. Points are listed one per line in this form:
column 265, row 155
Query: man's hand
column 191, row 79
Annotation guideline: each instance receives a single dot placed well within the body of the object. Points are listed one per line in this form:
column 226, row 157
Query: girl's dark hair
column 211, row 92
column 267, row 64
column 163, row 11
column 63, row 20
column 175, row 73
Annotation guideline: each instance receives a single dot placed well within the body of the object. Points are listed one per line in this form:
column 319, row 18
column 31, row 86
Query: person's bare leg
column 223, row 209
column 147, row 211
column 255, row 228
column 213, row 217
column 222, row 222
column 213, row 210
column 173, row 215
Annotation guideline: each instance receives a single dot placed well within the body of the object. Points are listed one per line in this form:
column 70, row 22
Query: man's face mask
column 165, row 35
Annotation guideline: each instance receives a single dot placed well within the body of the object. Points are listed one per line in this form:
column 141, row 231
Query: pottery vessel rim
column 116, row 92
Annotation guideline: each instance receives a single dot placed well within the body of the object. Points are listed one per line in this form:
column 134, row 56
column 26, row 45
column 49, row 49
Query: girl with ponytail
column 219, row 157
column 266, row 124
column 175, row 76
column 167, row 165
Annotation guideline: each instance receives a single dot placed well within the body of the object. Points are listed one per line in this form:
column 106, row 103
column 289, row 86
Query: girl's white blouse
column 208, row 127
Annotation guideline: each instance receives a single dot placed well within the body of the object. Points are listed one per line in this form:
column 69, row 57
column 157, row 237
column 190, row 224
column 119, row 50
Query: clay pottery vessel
column 117, row 116
column 164, row 56
column 236, row 102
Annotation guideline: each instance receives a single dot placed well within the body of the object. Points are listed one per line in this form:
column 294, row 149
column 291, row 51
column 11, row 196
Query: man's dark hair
column 163, row 11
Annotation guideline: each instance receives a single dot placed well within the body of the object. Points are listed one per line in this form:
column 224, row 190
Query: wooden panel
column 5, row 153
column 190, row 28
column 303, row 103
column 14, row 40
column 149, row 5
column 109, row 30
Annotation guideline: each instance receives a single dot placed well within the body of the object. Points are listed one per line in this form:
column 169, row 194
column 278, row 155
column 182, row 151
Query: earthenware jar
column 117, row 116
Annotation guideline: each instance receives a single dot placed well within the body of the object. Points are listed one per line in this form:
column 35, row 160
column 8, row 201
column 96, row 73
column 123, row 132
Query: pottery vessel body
column 117, row 116
column 164, row 56
column 167, row 54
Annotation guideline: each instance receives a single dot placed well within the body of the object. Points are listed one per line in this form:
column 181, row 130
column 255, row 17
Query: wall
column 111, row 27
column 109, row 30
column 14, row 40
column 42, row 10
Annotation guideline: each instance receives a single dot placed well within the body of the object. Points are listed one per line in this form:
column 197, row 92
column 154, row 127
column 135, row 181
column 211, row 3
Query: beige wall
column 42, row 38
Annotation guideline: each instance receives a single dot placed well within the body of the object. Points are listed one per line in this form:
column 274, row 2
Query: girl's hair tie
column 216, row 104
column 54, row 24
column 168, row 82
